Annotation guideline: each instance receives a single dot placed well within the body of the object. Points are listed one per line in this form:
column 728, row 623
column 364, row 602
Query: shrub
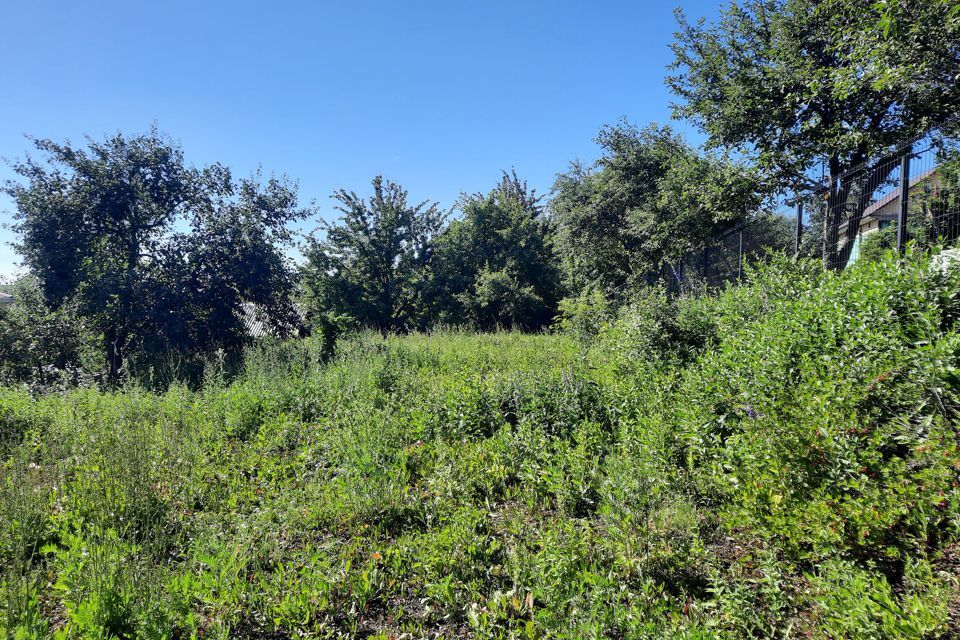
column 779, row 459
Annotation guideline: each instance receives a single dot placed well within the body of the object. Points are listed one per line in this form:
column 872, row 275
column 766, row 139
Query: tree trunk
column 835, row 202
column 845, row 184
column 115, row 342
column 867, row 182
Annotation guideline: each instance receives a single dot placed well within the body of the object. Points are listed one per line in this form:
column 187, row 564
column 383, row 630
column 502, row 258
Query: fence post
column 799, row 226
column 740, row 258
column 904, row 199
column 827, row 262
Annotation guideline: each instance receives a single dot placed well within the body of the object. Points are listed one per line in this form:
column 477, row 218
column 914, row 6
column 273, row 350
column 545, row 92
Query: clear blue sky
column 439, row 96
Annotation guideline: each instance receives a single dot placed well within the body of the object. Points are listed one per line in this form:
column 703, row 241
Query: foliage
column 797, row 83
column 152, row 254
column 584, row 316
column 372, row 266
column 40, row 346
column 784, row 79
column 494, row 267
column 649, row 201
column 777, row 460
column 915, row 50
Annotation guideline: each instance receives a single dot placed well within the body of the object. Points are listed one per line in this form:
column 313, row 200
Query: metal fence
column 910, row 194
column 723, row 259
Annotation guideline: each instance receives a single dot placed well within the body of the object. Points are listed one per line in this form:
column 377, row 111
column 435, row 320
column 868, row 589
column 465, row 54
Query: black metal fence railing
column 910, row 194
column 933, row 202
column 723, row 259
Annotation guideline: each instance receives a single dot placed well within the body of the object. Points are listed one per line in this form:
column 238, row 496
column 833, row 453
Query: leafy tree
column 373, row 264
column 230, row 255
column 798, row 82
column 154, row 254
column 40, row 345
column 495, row 265
column 648, row 201
column 899, row 16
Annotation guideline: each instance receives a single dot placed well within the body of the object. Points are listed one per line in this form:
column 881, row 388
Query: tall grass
column 777, row 461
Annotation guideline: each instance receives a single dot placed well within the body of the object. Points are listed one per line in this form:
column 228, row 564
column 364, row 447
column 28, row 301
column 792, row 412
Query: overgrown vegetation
column 618, row 459
column 162, row 266
column 154, row 256
column 778, row 461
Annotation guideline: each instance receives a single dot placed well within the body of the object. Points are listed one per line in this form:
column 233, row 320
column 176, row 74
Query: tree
column 373, row 263
column 791, row 83
column 40, row 345
column 649, row 200
column 230, row 257
column 154, row 254
column 495, row 265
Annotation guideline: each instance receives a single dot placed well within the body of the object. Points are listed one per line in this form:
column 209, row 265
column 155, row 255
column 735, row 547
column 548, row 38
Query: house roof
column 894, row 195
column 256, row 322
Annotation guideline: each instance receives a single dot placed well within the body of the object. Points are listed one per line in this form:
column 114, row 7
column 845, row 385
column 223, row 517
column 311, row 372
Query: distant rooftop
column 895, row 194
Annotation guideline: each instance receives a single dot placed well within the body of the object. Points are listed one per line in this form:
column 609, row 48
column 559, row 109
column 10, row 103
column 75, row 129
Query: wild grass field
column 780, row 460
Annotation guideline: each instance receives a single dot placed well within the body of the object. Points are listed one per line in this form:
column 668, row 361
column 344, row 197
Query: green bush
column 778, row 460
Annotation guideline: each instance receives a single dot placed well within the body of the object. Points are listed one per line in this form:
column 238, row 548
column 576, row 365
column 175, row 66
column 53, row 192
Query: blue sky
column 439, row 96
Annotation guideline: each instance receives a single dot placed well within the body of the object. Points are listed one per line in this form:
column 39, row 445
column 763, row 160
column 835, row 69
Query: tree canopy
column 798, row 84
column 372, row 264
column 649, row 200
column 157, row 255
column 494, row 266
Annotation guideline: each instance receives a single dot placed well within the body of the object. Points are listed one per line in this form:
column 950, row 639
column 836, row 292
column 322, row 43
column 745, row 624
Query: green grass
column 778, row 461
